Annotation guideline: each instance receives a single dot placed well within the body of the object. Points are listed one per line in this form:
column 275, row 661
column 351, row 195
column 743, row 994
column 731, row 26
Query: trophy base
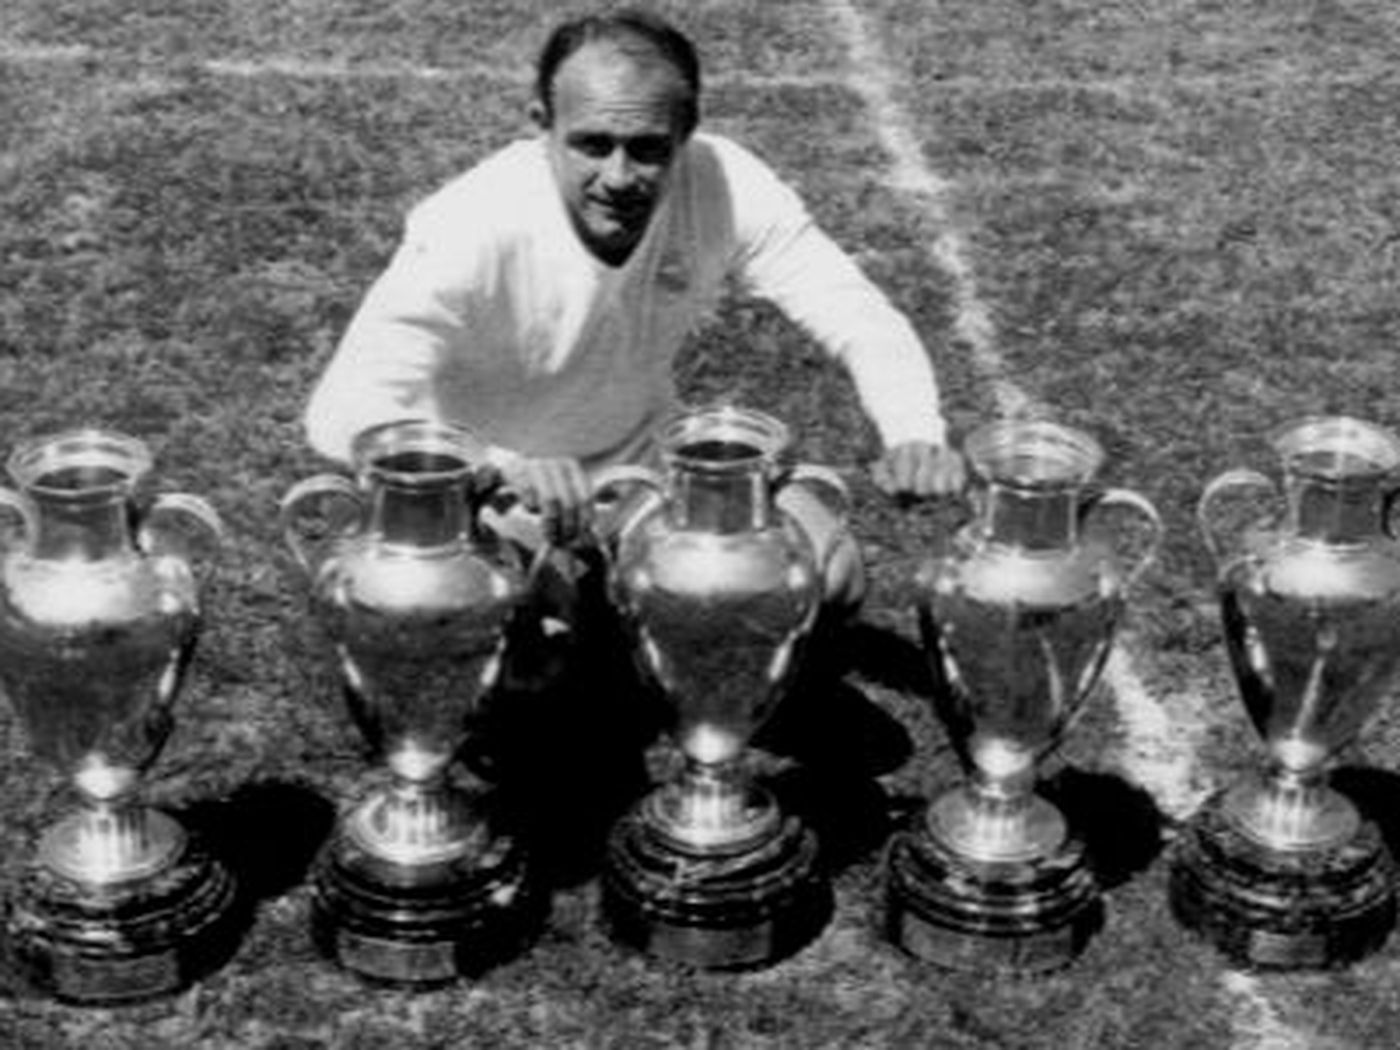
column 424, row 925
column 107, row 945
column 1267, row 909
column 1029, row 916
column 736, row 910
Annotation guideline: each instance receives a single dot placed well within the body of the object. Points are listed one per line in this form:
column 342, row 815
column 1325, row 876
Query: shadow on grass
column 1121, row 824
column 572, row 758
column 569, row 754
column 1376, row 793
column 840, row 741
column 268, row 833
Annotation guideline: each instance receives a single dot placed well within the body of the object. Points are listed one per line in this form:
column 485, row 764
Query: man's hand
column 556, row 489
column 919, row 469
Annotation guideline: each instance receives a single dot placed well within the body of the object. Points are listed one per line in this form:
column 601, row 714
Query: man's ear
column 539, row 116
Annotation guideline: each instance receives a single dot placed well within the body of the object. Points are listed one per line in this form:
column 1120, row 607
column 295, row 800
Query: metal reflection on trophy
column 720, row 588
column 1280, row 870
column 1017, row 621
column 423, row 881
column 99, row 614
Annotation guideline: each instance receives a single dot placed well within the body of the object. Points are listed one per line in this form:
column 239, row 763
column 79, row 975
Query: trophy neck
column 419, row 515
column 1336, row 510
column 715, row 498
column 720, row 463
column 1031, row 517
column 86, row 527
column 1034, row 473
column 80, row 486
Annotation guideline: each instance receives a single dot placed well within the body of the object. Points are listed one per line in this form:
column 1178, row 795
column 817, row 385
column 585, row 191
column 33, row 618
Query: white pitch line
column 911, row 175
column 1258, row 1025
column 1161, row 734
column 1159, row 753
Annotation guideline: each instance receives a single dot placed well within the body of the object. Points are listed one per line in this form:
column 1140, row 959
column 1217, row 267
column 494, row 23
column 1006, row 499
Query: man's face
column 617, row 126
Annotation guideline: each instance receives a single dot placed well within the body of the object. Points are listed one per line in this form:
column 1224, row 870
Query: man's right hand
column 558, row 490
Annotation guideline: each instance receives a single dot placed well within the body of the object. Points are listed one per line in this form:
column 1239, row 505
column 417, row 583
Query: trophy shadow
column 567, row 751
column 1122, row 828
column 267, row 833
column 837, row 742
column 1376, row 793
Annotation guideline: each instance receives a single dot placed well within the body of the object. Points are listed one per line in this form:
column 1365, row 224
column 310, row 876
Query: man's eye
column 650, row 151
column 593, row 147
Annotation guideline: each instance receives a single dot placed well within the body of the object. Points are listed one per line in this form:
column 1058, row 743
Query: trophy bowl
column 1279, row 870
column 423, row 881
column 99, row 615
column 1017, row 621
column 719, row 587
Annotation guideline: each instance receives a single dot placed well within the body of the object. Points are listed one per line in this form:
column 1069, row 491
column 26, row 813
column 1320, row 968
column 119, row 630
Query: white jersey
column 494, row 315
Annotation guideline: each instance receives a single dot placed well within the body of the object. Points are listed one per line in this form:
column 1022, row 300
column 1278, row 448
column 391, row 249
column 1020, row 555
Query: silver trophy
column 1017, row 622
column 720, row 588
column 421, row 883
column 98, row 619
column 1280, row 871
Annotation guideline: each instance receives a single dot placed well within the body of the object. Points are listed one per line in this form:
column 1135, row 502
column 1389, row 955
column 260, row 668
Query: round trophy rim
column 373, row 445
column 769, row 436
column 1377, row 447
column 36, row 457
column 1070, row 456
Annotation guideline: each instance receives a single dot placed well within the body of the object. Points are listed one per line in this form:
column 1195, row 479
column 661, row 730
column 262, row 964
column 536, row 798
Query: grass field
column 1174, row 223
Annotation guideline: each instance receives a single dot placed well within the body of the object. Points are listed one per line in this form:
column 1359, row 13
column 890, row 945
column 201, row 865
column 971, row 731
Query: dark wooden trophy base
column 713, row 910
column 1268, row 909
column 423, row 925
column 98, row 945
column 996, row 918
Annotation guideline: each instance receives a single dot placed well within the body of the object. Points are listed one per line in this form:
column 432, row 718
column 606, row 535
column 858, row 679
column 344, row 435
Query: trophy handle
column 1214, row 535
column 163, row 524
column 1112, row 497
column 617, row 516
column 304, row 500
column 814, row 478
column 29, row 521
column 1388, row 504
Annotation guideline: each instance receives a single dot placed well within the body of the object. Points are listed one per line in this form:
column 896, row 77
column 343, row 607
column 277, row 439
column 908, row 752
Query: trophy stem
column 110, row 842
column 413, row 823
column 714, row 807
column 997, row 819
column 1292, row 810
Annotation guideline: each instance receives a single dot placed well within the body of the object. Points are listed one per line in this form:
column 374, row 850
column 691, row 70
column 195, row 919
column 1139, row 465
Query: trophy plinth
column 708, row 903
column 1017, row 621
column 1026, row 916
column 1267, row 908
column 422, row 882
column 1280, row 871
column 99, row 614
column 720, row 588
column 105, row 944
column 422, row 910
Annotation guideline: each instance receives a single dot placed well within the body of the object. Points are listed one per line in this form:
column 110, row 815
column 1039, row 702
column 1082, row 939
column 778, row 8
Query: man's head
column 616, row 95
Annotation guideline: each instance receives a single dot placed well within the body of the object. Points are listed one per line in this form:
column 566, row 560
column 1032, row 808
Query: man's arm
column 784, row 257
column 385, row 365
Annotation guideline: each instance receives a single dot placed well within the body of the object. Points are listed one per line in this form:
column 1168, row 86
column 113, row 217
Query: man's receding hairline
column 639, row 36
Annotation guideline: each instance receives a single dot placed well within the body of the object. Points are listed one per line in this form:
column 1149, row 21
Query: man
column 540, row 299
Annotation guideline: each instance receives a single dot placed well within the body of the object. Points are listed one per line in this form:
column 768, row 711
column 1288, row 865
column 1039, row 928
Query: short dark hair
column 625, row 25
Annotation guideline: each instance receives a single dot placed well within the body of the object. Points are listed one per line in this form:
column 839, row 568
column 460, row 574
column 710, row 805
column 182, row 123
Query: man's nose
column 618, row 170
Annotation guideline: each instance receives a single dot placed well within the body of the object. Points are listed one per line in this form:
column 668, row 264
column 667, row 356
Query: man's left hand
column 920, row 469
